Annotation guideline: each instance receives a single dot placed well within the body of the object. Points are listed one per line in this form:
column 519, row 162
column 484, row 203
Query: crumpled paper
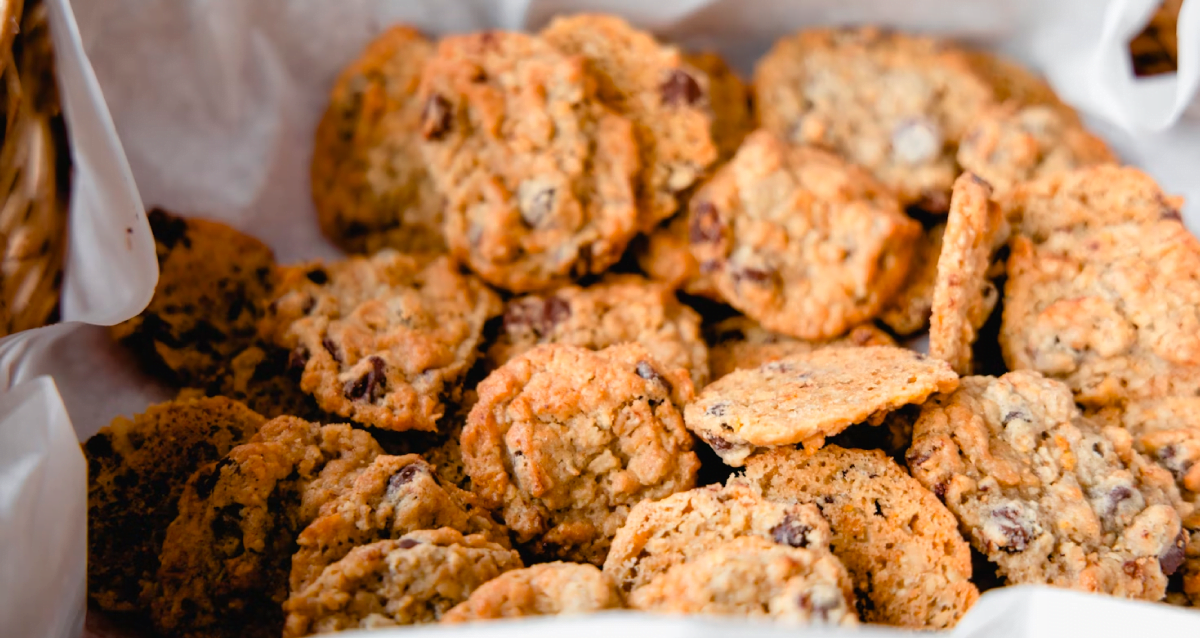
column 215, row 102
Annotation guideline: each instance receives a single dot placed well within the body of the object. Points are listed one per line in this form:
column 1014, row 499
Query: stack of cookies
column 620, row 331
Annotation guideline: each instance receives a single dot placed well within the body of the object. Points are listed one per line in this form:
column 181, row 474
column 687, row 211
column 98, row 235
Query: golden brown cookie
column 910, row 566
column 549, row 589
column 563, row 441
column 369, row 181
column 805, row 398
column 384, row 340
column 739, row 343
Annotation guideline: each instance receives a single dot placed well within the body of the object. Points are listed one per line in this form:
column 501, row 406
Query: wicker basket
column 34, row 170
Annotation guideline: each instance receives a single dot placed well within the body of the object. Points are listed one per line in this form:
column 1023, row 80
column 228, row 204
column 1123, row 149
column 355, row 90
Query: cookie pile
column 610, row 337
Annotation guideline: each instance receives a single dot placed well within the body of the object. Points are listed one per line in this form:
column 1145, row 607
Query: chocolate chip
column 1016, row 536
column 940, row 490
column 332, row 349
column 318, row 276
column 536, row 314
column 680, row 89
column 917, row 456
column 647, row 372
column 716, row 409
column 1172, row 556
column 916, row 140
column 718, row 444
column 168, row 229
column 705, row 224
column 406, row 474
column 435, row 118
column 297, row 360
column 407, row 543
column 1116, row 496
column 369, row 385
column 1167, row 211
column 791, row 532
column 756, row 276
column 878, row 509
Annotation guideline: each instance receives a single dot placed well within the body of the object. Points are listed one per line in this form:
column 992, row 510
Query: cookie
column 908, row 313
column 564, row 441
column 537, row 173
column 267, row 379
column 729, row 98
column 1107, row 303
column 896, row 104
column 659, row 535
column 963, row 295
column 414, row 579
column 798, row 239
column 670, row 103
column 752, row 577
column 665, row 255
column 1014, row 83
column 383, row 340
column 213, row 283
column 225, row 560
column 1042, row 492
column 549, row 589
column 369, row 181
column 1008, row 145
column 136, row 471
column 805, row 398
column 619, row 308
column 739, row 343
column 910, row 566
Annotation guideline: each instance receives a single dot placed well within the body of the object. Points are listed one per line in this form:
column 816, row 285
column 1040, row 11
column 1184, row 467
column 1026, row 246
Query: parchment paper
column 215, row 102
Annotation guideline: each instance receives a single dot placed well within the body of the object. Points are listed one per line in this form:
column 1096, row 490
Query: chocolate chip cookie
column 1103, row 288
column 619, row 308
column 225, row 560
column 896, row 104
column 1044, row 493
column 393, row 496
column 963, row 295
column 384, row 340
column 414, row 579
column 136, row 471
column 659, row 535
column 669, row 101
column 1008, row 145
column 910, row 566
column 564, row 441
column 213, row 283
column 800, row 240
column 538, row 174
column 805, row 398
column 909, row 312
column 752, row 577
column 549, row 589
column 369, row 182
column 739, row 343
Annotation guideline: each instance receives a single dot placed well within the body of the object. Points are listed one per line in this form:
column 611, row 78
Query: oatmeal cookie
column 800, row 240
column 384, row 340
column 213, row 283
column 665, row 255
column 414, row 579
column 896, row 104
column 659, row 535
column 136, row 471
column 1009, row 145
column 225, row 560
column 963, row 295
column 1044, row 493
column 619, row 308
column 909, row 312
column 752, row 577
column 369, row 181
column 805, row 398
column 1112, row 310
column 910, row 566
column 729, row 97
column 538, row 174
column 739, row 343
column 670, row 103
column 564, row 441
column 393, row 496
column 549, row 589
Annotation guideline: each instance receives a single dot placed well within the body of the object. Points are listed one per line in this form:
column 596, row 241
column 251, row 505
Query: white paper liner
column 216, row 101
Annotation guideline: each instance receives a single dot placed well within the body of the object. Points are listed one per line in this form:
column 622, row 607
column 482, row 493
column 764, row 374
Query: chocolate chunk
column 1116, row 496
column 369, row 385
column 318, row 276
column 332, row 349
column 705, row 224
column 168, row 229
column 680, row 89
column 718, row 444
column 647, row 372
column 1172, row 556
column 536, row 314
column 791, row 532
column 1015, row 414
column 917, row 456
column 407, row 543
column 406, row 474
column 940, row 490
column 1016, row 536
column 756, row 276
column 435, row 118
